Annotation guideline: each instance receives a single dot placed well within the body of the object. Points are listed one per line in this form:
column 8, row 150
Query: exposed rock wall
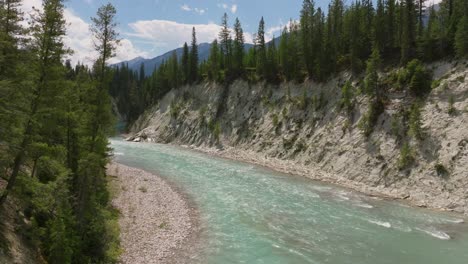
column 303, row 127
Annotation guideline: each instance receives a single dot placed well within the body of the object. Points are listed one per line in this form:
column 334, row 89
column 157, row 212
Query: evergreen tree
column 225, row 43
column 390, row 20
column 106, row 40
column 238, row 49
column 461, row 36
column 371, row 81
column 47, row 32
column 193, row 58
column 408, row 31
column 261, row 50
column 307, row 28
column 213, row 72
column 380, row 26
column 283, row 53
column 185, row 63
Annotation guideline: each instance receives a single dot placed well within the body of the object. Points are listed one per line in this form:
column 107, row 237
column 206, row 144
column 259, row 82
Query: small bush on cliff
column 175, row 110
column 416, row 77
column 406, row 157
column 215, row 128
column 347, row 97
column 441, row 170
column 415, row 122
column 369, row 119
column 452, row 110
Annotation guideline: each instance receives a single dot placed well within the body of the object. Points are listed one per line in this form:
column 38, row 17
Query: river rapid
column 250, row 214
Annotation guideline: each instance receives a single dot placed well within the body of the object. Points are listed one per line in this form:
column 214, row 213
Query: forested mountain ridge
column 360, row 37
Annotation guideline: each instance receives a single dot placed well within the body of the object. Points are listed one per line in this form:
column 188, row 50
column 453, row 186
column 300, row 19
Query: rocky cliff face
column 301, row 128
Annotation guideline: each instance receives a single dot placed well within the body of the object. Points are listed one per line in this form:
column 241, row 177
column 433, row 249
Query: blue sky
column 149, row 28
column 146, row 23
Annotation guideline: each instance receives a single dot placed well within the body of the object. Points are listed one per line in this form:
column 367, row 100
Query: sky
column 149, row 28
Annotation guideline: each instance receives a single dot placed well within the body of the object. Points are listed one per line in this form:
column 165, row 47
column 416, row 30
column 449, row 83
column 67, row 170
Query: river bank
column 157, row 221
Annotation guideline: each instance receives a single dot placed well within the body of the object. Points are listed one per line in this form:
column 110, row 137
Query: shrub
column 175, row 110
column 217, row 131
column 452, row 110
column 415, row 122
column 406, row 157
column 275, row 120
column 369, row 119
column 441, row 170
column 347, row 96
column 303, row 100
column 396, row 126
column 419, row 78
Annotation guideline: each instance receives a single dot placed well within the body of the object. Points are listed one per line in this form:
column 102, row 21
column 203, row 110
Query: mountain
column 154, row 63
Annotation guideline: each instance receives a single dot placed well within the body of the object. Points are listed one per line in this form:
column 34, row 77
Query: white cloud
column 185, row 7
column 225, row 6
column 170, row 34
column 200, row 11
column 233, row 9
column 80, row 40
column 197, row 10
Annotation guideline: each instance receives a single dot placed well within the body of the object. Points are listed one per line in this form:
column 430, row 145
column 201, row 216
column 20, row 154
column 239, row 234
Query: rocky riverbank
column 156, row 221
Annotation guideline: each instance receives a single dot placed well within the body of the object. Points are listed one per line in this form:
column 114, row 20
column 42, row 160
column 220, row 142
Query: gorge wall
column 302, row 128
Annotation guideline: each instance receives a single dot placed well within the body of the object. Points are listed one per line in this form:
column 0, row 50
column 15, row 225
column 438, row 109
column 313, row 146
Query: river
column 250, row 214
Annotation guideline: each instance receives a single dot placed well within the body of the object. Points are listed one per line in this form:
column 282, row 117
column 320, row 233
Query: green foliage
column 275, row 120
column 347, row 97
column 369, row 119
column 303, row 100
column 371, row 82
column 461, row 37
column 415, row 122
column 452, row 110
column 420, row 83
column 175, row 109
column 217, row 131
column 417, row 77
column 406, row 157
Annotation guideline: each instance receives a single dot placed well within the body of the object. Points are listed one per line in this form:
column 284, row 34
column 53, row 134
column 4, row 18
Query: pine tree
column 238, row 49
column 380, row 25
column 47, row 32
column 213, row 60
column 261, row 50
column 307, row 28
column 408, row 31
column 371, row 81
column 185, row 63
column 390, row 20
column 10, row 31
column 225, row 43
column 193, row 58
column 106, row 41
column 461, row 36
column 283, row 53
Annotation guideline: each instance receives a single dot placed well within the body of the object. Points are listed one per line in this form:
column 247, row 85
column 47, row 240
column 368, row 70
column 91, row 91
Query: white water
column 253, row 215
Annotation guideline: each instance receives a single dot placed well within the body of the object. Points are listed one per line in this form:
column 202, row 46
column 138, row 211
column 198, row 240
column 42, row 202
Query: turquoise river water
column 249, row 214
